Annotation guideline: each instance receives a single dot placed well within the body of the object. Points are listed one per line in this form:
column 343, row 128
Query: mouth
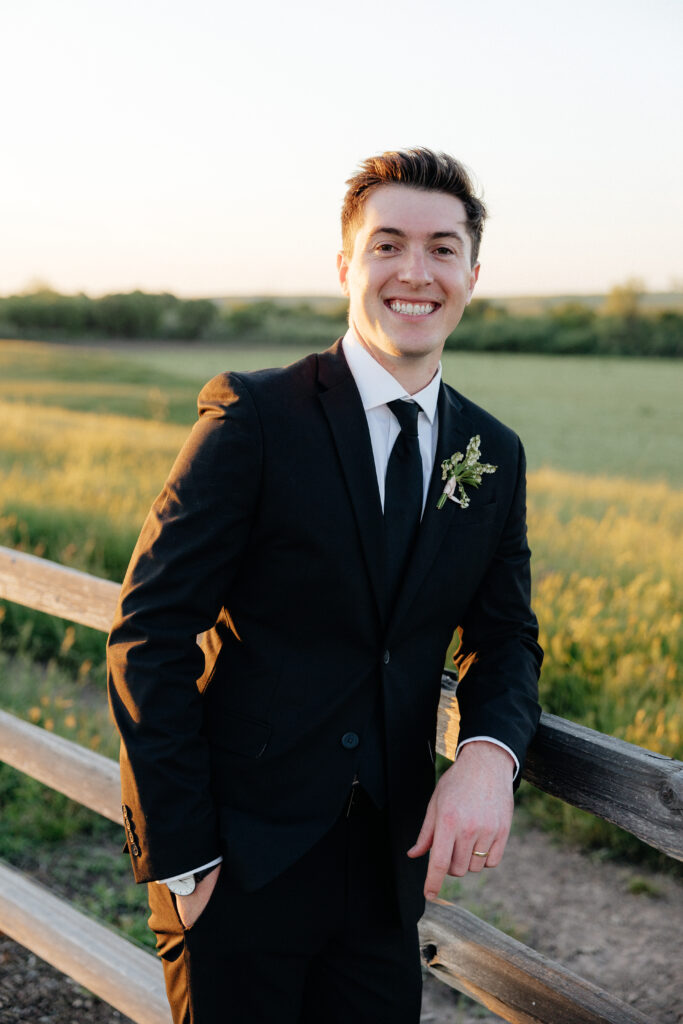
column 411, row 308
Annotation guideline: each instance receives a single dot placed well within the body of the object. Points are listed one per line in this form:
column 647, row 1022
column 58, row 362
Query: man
column 281, row 808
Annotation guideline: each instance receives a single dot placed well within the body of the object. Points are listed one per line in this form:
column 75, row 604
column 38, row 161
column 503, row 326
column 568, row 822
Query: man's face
column 409, row 277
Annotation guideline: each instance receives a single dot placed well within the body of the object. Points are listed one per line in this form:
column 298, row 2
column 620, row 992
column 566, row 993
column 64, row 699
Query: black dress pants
column 320, row 944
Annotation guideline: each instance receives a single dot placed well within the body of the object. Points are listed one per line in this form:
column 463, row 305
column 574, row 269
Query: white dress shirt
column 377, row 387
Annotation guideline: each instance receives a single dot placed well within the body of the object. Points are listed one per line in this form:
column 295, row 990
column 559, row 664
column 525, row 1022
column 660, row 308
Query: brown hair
column 419, row 168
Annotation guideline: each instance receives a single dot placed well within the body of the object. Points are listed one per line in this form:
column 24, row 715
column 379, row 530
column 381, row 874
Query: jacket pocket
column 478, row 516
column 239, row 735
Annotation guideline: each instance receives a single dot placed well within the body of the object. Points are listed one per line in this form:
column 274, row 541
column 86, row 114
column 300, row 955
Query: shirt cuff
column 192, row 871
column 497, row 743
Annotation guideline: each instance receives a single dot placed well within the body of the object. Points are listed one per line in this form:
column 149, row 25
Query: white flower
column 457, row 473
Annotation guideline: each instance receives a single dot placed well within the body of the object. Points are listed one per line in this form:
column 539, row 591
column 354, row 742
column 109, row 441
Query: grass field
column 588, row 415
column 89, row 435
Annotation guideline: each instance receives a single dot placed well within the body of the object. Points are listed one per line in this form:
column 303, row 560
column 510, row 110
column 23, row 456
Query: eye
column 385, row 247
column 444, row 250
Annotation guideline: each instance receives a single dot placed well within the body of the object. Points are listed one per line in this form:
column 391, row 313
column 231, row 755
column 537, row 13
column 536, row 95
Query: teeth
column 412, row 308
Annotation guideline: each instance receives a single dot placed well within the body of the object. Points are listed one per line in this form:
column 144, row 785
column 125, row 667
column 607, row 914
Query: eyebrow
column 401, row 234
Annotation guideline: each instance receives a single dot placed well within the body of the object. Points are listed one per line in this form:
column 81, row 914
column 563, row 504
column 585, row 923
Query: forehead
column 414, row 211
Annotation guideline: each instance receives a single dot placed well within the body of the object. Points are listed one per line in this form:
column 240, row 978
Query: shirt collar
column 377, row 386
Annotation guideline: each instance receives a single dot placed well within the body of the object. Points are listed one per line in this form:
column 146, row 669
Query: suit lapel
column 345, row 414
column 454, row 433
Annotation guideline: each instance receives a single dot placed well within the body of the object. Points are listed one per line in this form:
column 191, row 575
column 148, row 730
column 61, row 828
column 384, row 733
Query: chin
column 414, row 348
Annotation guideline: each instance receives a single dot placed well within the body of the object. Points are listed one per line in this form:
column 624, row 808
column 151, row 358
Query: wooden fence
column 637, row 789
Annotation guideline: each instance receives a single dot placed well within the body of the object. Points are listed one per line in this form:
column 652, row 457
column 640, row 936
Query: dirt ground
column 617, row 926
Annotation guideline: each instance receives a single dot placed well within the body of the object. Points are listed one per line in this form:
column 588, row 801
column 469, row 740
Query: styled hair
column 419, row 168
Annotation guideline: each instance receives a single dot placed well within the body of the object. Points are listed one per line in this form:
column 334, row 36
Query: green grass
column 92, row 379
column 587, row 415
column 638, row 885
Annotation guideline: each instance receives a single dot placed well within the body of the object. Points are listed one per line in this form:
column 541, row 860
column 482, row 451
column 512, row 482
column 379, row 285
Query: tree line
column 619, row 327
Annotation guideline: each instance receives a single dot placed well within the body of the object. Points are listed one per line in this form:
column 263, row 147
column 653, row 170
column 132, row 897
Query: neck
column 413, row 372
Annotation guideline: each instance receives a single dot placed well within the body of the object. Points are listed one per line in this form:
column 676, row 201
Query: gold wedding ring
column 476, row 853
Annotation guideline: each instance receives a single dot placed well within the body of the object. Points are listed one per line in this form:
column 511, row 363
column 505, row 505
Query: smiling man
column 278, row 783
column 409, row 273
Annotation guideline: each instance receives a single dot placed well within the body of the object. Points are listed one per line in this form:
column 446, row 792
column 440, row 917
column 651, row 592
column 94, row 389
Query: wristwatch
column 185, row 885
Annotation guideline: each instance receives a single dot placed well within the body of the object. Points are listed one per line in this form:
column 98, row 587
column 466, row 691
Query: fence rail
column 48, row 587
column 636, row 789
column 122, row 974
column 509, row 978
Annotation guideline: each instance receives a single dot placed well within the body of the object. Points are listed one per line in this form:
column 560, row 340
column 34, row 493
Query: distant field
column 619, row 417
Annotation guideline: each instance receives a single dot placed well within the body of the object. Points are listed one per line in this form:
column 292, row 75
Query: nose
column 414, row 268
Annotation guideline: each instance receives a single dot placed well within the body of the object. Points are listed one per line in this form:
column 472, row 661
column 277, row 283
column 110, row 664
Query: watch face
column 182, row 886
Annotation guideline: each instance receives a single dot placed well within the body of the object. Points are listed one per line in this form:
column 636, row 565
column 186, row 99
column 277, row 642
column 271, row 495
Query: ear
column 342, row 271
column 474, row 277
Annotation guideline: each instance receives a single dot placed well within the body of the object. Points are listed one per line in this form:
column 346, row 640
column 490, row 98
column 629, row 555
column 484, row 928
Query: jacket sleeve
column 498, row 695
column 178, row 580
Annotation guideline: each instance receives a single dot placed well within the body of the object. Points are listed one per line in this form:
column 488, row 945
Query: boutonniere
column 463, row 469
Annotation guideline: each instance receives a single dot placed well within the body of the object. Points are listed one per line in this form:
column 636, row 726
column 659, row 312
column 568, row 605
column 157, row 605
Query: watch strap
column 186, row 885
column 199, row 875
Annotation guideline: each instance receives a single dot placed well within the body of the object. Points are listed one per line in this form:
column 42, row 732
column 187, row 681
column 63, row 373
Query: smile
column 412, row 308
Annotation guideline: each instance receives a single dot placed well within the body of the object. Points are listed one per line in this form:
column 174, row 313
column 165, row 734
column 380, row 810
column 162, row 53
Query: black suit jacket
column 268, row 535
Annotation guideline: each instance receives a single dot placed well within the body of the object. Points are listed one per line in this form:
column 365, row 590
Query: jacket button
column 386, row 658
column 350, row 740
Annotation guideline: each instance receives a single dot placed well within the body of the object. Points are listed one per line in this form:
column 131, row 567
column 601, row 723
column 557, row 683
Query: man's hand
column 190, row 907
column 470, row 809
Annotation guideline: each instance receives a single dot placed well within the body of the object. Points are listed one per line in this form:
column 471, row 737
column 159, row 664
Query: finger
column 461, row 856
column 424, row 840
column 439, row 861
column 497, row 850
column 479, row 857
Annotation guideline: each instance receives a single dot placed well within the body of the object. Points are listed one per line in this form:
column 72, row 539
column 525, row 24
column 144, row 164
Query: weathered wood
column 637, row 789
column 81, row 774
column 509, row 978
column 48, row 587
column 117, row 971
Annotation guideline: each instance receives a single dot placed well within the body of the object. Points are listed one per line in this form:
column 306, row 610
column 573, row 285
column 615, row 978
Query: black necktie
column 402, row 495
column 402, row 511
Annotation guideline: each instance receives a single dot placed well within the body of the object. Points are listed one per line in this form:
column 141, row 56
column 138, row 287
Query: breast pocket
column 479, row 515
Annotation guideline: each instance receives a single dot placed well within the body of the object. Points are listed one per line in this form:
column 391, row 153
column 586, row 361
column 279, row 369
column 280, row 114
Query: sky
column 203, row 148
